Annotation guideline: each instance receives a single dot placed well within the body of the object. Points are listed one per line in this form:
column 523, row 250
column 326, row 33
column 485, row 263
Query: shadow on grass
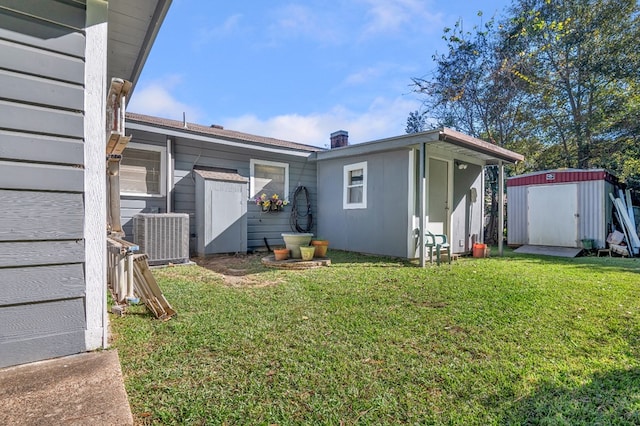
column 340, row 257
column 619, row 264
column 611, row 398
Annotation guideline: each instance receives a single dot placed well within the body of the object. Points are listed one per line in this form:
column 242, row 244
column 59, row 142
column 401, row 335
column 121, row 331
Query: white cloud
column 384, row 118
column 229, row 27
column 295, row 20
column 382, row 74
column 392, row 16
column 155, row 98
column 364, row 75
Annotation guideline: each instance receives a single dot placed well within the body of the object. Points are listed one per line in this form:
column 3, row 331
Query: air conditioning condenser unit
column 164, row 237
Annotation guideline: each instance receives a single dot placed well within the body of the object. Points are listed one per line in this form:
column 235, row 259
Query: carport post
column 500, row 206
column 422, row 200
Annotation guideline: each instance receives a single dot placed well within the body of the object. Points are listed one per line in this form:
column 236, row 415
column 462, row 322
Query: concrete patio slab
column 549, row 250
column 84, row 389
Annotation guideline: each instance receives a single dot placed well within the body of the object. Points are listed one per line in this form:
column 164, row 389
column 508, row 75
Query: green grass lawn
column 371, row 340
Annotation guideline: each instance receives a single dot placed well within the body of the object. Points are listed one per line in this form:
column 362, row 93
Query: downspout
column 169, row 174
column 113, row 173
column 422, row 201
column 500, row 206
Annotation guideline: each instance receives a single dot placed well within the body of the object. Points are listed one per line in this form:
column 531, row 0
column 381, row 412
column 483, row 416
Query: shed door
column 225, row 219
column 553, row 215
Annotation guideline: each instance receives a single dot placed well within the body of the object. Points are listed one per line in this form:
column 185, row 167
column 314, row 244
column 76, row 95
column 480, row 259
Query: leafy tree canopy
column 558, row 81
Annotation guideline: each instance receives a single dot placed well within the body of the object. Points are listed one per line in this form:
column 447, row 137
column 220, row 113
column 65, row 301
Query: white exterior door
column 438, row 198
column 553, row 215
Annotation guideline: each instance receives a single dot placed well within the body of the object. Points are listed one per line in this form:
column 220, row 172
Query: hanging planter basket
column 271, row 204
column 271, row 207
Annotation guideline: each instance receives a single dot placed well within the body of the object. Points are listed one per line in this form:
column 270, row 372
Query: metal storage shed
column 560, row 207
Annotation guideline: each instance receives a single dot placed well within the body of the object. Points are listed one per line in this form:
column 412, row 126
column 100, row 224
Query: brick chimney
column 339, row 139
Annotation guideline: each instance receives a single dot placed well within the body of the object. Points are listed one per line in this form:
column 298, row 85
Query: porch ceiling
column 490, row 153
column 133, row 27
column 459, row 151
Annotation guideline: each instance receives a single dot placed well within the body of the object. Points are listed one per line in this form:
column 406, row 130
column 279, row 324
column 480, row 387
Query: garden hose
column 297, row 214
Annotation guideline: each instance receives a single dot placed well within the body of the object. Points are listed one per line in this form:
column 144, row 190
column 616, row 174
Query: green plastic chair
column 439, row 242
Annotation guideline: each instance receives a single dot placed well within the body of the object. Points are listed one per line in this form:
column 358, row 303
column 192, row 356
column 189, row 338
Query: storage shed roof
column 548, row 177
column 224, row 175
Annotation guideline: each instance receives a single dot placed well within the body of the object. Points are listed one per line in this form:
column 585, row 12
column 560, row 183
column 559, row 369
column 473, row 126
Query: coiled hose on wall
column 300, row 213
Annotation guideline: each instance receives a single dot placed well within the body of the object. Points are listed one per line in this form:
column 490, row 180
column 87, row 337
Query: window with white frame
column 269, row 177
column 142, row 170
column 355, row 186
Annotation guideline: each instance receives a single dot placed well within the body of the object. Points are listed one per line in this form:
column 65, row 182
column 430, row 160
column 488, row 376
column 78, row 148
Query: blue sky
column 298, row 70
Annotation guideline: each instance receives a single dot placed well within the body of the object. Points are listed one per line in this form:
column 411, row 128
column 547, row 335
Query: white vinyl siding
column 269, row 177
column 355, row 186
column 142, row 170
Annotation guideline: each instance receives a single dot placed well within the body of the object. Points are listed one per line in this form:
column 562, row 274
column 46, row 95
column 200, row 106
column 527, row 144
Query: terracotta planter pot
column 321, row 247
column 307, row 252
column 281, row 254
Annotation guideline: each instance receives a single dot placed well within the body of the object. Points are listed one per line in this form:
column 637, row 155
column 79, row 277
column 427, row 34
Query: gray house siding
column 42, row 206
column 383, row 226
column 188, row 153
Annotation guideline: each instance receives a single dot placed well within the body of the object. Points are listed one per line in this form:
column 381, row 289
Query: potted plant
column 294, row 241
column 270, row 204
column 321, row 247
column 307, row 252
column 281, row 253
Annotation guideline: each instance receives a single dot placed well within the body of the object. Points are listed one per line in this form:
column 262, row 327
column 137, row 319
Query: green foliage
column 556, row 80
column 372, row 340
column 416, row 122
column 579, row 62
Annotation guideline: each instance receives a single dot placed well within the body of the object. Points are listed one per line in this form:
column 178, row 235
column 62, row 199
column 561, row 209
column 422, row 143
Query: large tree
column 556, row 80
column 472, row 91
column 580, row 63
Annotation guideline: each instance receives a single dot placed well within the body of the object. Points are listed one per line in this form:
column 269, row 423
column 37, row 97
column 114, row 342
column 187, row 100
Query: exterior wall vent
column 164, row 237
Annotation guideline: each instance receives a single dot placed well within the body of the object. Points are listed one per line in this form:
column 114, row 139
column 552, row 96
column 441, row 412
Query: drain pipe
column 169, row 174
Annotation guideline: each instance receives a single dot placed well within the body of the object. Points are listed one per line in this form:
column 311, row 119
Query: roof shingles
column 217, row 131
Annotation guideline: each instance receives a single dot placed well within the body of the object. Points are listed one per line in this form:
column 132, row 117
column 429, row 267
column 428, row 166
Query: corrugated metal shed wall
column 591, row 207
column 517, row 215
column 594, row 207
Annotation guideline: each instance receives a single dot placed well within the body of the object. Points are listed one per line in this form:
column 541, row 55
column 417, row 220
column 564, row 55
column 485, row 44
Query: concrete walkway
column 84, row 389
column 549, row 250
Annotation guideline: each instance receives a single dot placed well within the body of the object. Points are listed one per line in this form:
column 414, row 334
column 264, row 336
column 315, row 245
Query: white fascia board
column 210, row 139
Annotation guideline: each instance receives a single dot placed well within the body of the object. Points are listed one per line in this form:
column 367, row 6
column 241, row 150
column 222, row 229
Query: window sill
column 137, row 195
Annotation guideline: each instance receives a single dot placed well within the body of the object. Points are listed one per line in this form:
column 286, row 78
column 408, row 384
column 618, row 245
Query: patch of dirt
column 237, row 270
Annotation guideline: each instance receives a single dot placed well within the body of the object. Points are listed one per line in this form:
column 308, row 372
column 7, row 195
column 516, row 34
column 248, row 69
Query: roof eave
column 150, row 37
column 131, row 70
column 496, row 152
